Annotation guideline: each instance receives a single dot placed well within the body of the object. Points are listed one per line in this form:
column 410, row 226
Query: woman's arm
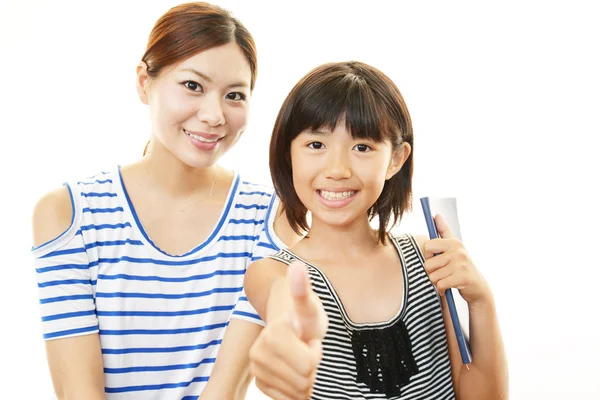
column 76, row 367
column 269, row 293
column 231, row 376
column 75, row 362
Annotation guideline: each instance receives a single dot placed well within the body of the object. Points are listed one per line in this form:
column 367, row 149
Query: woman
column 140, row 268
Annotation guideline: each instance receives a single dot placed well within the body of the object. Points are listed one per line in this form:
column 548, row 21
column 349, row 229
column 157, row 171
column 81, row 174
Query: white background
column 505, row 100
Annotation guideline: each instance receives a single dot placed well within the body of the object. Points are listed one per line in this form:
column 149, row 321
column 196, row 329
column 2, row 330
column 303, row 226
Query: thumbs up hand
column 285, row 356
column 308, row 317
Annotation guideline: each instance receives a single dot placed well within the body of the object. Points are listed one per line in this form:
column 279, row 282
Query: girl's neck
column 349, row 242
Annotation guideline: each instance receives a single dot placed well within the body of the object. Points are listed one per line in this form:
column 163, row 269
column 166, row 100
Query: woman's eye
column 363, row 148
column 236, row 96
column 316, row 145
column 193, row 86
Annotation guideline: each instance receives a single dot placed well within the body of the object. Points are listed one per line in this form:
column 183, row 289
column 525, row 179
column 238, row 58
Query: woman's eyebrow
column 209, row 79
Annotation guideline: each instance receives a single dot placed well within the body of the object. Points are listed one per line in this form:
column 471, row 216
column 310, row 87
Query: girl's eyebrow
column 209, row 80
column 319, row 133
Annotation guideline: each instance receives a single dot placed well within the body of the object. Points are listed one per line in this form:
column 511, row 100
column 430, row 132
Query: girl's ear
column 398, row 159
column 142, row 81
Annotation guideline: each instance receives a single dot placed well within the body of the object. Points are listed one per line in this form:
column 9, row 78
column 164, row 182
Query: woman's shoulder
column 254, row 188
column 52, row 215
column 257, row 198
column 56, row 211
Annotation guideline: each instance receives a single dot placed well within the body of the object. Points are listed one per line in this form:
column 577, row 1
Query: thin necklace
column 212, row 186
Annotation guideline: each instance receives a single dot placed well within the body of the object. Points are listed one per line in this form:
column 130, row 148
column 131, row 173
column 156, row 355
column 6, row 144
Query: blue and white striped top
column 161, row 318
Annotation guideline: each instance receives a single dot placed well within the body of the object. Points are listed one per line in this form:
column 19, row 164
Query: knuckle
column 427, row 264
column 304, row 385
column 306, row 369
column 260, row 384
column 257, row 355
column 268, row 339
column 462, row 253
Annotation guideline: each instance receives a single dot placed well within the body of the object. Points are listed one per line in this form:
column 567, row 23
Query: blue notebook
column 456, row 304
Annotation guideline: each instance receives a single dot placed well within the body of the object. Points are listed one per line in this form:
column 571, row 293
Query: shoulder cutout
column 52, row 216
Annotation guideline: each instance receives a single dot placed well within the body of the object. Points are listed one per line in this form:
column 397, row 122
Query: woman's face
column 199, row 107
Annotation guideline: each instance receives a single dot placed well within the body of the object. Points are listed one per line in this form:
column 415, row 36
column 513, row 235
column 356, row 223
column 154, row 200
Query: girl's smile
column 336, row 198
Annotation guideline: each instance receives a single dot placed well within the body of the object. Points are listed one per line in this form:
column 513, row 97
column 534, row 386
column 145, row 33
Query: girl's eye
column 193, row 86
column 316, row 145
column 236, row 96
column 363, row 148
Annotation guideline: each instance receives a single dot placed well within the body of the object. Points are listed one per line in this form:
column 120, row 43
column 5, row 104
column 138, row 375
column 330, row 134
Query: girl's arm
column 75, row 362
column 286, row 354
column 487, row 375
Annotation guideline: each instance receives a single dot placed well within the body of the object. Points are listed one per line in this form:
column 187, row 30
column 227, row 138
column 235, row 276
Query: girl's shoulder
column 416, row 240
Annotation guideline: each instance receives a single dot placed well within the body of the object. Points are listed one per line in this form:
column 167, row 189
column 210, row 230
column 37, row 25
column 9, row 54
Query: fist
column 285, row 356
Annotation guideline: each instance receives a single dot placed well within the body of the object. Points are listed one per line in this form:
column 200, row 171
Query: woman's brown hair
column 372, row 107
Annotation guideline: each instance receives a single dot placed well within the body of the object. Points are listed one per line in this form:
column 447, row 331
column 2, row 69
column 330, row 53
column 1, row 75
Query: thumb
column 308, row 315
column 442, row 227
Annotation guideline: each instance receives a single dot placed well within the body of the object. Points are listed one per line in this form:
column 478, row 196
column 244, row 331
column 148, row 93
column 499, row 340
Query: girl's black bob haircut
column 373, row 108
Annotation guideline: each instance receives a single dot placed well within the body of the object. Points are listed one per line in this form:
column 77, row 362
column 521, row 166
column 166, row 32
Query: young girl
column 140, row 268
column 368, row 311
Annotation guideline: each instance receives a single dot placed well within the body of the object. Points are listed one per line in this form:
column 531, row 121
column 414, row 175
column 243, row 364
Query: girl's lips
column 347, row 197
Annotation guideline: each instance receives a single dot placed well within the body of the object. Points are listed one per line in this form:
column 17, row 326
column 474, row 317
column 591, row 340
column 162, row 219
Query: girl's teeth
column 200, row 138
column 336, row 195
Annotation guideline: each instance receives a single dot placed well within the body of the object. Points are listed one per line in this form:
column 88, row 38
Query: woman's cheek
column 239, row 119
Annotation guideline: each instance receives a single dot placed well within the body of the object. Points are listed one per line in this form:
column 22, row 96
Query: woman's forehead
column 224, row 65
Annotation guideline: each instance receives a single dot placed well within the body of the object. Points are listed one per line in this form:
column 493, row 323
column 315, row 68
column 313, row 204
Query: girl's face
column 199, row 107
column 339, row 178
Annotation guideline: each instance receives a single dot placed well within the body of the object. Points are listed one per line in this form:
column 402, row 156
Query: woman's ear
column 397, row 161
column 142, row 81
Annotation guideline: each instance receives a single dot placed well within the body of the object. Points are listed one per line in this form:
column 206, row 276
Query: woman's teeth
column 200, row 138
column 336, row 195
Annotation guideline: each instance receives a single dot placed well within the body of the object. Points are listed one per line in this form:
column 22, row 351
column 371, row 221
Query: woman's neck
column 162, row 169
